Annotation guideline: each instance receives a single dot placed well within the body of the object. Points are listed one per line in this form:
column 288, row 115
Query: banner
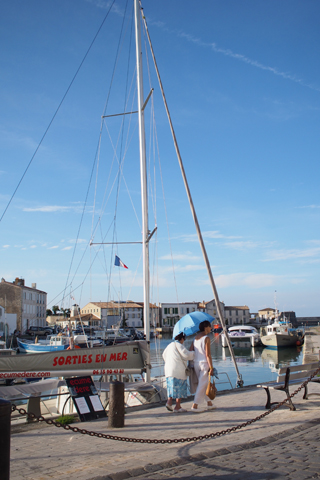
column 128, row 357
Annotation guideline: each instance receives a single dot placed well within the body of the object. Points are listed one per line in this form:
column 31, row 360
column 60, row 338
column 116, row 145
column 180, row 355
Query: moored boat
column 57, row 343
column 281, row 334
column 6, row 351
column 217, row 328
column 242, row 335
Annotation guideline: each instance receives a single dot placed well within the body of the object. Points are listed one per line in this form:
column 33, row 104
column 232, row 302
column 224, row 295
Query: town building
column 237, row 315
column 267, row 314
column 211, row 309
column 170, row 313
column 129, row 314
column 28, row 303
column 154, row 315
column 8, row 322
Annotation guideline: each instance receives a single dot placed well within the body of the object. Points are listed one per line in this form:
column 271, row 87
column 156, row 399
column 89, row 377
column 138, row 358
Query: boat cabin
column 59, row 340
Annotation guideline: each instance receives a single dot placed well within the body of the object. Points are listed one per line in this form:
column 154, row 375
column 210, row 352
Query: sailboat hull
column 129, row 357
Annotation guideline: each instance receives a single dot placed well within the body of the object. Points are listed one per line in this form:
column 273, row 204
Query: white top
column 200, row 350
column 176, row 358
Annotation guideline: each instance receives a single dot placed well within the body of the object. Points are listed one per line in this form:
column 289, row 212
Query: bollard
column 116, row 405
column 5, row 427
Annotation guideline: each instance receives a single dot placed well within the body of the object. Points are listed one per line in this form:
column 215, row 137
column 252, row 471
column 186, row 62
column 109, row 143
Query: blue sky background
column 243, row 87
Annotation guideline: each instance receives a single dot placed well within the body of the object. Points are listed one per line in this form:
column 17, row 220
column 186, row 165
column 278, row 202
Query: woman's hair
column 203, row 325
column 180, row 337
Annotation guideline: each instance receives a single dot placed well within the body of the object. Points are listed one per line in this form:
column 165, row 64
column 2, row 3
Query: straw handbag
column 211, row 391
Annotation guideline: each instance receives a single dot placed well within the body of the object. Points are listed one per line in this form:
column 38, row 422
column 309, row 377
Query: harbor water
column 255, row 364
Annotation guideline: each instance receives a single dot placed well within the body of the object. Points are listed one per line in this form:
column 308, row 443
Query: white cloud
column 292, row 254
column 67, row 248
column 105, row 5
column 255, row 280
column 182, row 256
column 189, row 268
column 243, row 245
column 80, row 240
column 33, row 246
column 50, row 209
column 51, row 248
column 210, row 234
column 11, row 137
column 310, row 206
column 5, row 246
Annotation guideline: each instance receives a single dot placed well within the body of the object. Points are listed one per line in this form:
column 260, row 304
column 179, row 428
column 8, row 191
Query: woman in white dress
column 176, row 358
column 202, row 365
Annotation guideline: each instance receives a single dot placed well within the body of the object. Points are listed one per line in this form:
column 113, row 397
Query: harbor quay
column 283, row 443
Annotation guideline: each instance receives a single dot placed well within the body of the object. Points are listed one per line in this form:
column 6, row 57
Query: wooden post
column 116, row 405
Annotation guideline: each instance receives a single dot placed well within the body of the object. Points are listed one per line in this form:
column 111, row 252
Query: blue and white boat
column 55, row 342
column 58, row 342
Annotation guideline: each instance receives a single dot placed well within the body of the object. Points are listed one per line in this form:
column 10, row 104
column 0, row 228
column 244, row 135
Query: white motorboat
column 6, row 351
column 281, row 334
column 241, row 336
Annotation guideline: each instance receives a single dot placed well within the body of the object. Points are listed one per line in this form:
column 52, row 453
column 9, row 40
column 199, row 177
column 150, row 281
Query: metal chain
column 40, row 418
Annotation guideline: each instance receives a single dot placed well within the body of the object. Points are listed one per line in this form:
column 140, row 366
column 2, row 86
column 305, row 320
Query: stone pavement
column 293, row 455
column 277, row 443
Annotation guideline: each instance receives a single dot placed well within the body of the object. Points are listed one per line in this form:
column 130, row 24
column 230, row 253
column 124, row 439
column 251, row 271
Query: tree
column 48, row 312
column 55, row 309
column 66, row 312
column 124, row 320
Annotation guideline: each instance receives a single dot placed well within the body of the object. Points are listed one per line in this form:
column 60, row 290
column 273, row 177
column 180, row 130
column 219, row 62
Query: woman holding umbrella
column 202, row 365
column 176, row 358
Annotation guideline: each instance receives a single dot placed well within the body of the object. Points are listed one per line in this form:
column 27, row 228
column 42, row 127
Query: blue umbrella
column 189, row 324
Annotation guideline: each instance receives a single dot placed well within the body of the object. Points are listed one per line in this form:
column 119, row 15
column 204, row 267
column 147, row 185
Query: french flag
column 119, row 263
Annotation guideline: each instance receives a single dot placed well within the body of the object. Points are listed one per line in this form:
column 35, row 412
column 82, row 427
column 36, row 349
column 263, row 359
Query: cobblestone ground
column 43, row 452
column 295, row 457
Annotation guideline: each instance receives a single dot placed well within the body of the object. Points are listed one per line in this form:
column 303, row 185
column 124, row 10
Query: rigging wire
column 98, row 147
column 121, row 160
column 56, row 112
column 156, row 144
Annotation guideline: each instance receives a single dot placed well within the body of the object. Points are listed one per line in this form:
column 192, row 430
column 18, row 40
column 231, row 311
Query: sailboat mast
column 143, row 177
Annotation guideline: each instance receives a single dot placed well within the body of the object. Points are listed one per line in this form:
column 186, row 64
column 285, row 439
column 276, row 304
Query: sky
column 243, row 88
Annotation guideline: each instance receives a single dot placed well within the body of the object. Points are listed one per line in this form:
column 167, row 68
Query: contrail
column 249, row 61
